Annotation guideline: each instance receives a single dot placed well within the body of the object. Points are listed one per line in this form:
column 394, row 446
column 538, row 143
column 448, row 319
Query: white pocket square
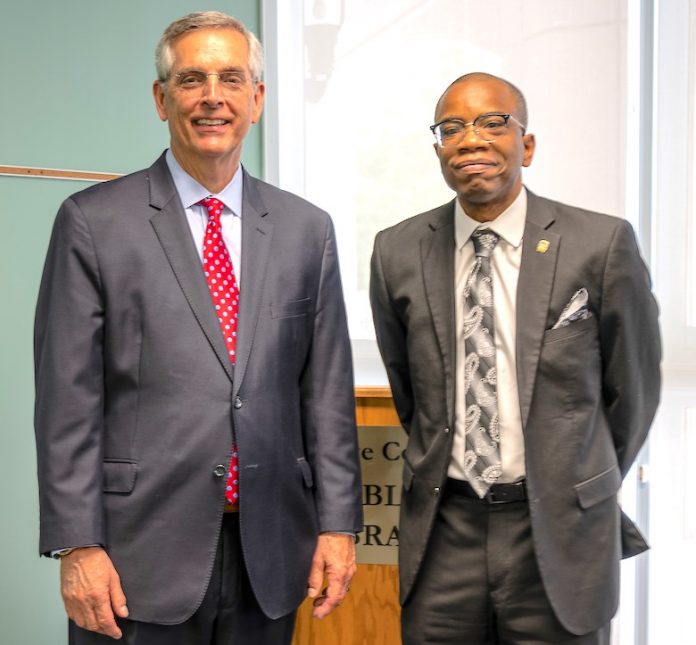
column 576, row 309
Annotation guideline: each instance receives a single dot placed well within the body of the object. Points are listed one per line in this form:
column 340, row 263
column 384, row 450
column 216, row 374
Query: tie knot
column 213, row 206
column 484, row 241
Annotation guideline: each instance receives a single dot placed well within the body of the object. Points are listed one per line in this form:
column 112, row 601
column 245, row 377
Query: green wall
column 75, row 94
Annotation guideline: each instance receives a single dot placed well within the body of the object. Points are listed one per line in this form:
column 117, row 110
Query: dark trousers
column 480, row 583
column 228, row 615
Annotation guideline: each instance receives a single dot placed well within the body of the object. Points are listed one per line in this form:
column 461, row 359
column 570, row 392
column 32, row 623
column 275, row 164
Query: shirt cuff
column 59, row 553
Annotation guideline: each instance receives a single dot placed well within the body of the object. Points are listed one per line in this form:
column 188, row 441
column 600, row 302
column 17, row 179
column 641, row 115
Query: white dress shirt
column 505, row 268
column 191, row 192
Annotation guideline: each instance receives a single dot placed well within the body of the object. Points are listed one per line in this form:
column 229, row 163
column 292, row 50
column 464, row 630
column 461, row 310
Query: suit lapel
column 256, row 246
column 537, row 272
column 437, row 258
column 174, row 235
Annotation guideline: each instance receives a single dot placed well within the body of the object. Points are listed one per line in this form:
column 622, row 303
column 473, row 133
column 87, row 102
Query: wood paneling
column 374, row 407
column 370, row 613
column 56, row 173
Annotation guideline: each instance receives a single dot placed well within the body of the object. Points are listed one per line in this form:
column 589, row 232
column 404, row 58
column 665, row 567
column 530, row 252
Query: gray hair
column 205, row 20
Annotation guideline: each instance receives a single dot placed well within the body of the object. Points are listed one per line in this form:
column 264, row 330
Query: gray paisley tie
column 482, row 458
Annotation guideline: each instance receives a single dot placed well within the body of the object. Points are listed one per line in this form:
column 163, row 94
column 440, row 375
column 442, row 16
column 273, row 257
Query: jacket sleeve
column 328, row 404
column 68, row 345
column 391, row 338
column 631, row 347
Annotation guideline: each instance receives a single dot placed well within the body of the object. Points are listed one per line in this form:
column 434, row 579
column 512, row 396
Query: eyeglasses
column 194, row 79
column 487, row 127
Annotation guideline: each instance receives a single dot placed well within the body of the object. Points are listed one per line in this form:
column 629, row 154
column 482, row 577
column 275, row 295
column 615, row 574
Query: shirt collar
column 509, row 224
column 191, row 192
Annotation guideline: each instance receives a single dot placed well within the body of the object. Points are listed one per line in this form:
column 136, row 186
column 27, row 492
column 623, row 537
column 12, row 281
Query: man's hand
column 335, row 555
column 91, row 590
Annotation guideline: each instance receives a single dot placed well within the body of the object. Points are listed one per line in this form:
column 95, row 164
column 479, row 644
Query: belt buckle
column 491, row 499
column 515, row 487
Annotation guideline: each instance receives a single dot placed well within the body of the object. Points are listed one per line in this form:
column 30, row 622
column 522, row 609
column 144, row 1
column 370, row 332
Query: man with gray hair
column 195, row 427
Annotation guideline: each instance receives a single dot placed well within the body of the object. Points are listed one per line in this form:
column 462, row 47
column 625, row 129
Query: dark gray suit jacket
column 588, row 392
column 137, row 401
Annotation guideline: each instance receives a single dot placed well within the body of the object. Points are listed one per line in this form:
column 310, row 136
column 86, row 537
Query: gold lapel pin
column 542, row 246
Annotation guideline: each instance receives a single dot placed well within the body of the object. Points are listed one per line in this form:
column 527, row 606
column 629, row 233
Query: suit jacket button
column 219, row 470
column 237, row 403
column 436, row 490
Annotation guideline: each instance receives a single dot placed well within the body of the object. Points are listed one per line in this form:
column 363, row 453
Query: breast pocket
column 570, row 331
column 290, row 309
column 569, row 369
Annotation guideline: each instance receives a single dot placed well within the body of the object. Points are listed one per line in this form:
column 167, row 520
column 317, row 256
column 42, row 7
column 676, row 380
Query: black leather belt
column 497, row 493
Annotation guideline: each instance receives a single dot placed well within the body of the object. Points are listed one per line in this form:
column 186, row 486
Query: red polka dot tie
column 219, row 274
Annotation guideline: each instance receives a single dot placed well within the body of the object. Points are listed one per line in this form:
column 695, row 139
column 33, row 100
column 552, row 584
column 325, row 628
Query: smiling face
column 207, row 125
column 487, row 176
